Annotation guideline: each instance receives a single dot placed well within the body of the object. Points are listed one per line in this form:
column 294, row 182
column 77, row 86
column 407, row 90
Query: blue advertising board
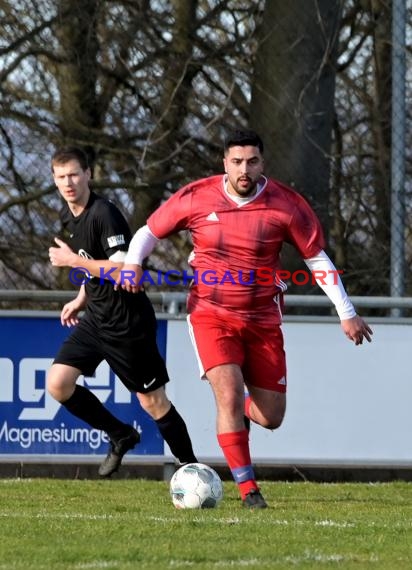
column 32, row 422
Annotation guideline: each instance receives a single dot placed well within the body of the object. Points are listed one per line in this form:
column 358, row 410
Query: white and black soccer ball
column 196, row 486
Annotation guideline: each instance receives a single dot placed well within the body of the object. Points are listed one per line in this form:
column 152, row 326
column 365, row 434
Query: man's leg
column 170, row 424
column 265, row 407
column 264, row 373
column 228, row 387
column 139, row 364
column 79, row 401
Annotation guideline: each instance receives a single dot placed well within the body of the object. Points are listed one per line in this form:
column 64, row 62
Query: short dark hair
column 65, row 154
column 245, row 137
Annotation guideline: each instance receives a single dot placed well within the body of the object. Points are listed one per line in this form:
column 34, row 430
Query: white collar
column 240, row 200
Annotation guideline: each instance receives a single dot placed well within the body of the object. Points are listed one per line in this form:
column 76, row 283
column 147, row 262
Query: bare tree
column 360, row 201
column 145, row 88
column 149, row 88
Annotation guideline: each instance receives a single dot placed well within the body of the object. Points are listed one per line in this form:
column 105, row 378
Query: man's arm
column 64, row 256
column 328, row 279
column 140, row 247
column 69, row 313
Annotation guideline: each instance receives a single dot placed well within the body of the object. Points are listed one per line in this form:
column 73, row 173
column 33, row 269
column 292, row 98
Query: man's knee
column 53, row 385
column 56, row 391
column 274, row 422
column 272, row 419
column 268, row 410
column 155, row 403
column 60, row 383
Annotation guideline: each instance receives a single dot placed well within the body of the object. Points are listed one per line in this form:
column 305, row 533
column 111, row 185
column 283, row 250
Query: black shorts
column 135, row 359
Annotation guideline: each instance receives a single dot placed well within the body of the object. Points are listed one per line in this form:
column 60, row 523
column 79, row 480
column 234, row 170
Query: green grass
column 131, row 524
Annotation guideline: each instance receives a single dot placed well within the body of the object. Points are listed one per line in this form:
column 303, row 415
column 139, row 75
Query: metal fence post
column 398, row 151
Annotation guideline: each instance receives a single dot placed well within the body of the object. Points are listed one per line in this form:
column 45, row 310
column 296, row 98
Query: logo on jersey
column 212, row 217
column 83, row 253
column 146, row 386
column 113, row 241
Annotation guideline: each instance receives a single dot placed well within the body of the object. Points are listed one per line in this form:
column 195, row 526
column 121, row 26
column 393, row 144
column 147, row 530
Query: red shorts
column 256, row 347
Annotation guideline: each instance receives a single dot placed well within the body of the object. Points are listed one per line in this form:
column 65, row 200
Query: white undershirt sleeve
column 327, row 277
column 141, row 246
column 118, row 257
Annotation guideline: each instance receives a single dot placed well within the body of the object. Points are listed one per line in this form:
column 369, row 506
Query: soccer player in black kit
column 117, row 326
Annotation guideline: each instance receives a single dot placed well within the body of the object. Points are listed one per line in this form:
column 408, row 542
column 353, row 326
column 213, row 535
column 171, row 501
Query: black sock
column 85, row 405
column 174, row 432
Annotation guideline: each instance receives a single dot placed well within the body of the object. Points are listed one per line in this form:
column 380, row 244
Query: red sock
column 235, row 447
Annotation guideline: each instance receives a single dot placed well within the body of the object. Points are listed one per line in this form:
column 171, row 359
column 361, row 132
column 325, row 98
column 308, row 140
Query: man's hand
column 356, row 329
column 68, row 315
column 62, row 256
column 129, row 278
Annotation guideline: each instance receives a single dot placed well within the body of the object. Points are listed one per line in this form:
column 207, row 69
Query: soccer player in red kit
column 238, row 222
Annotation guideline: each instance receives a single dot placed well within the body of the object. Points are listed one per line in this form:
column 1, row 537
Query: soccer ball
column 196, row 486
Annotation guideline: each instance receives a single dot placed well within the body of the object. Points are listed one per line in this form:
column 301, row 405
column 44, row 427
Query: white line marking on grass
column 238, row 563
column 341, row 524
column 80, row 565
column 22, row 515
column 296, row 560
column 323, row 558
column 97, row 564
column 167, row 520
column 278, row 522
column 225, row 563
column 17, row 480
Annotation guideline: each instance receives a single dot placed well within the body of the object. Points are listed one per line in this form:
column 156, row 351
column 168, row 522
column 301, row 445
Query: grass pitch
column 131, row 524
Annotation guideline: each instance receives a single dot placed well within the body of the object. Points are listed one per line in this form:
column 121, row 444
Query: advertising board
column 32, row 422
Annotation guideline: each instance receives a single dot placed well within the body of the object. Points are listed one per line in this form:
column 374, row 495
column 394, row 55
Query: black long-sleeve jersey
column 98, row 233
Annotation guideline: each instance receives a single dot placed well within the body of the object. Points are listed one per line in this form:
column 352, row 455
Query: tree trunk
column 293, row 94
column 381, row 132
column 77, row 75
column 171, row 113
